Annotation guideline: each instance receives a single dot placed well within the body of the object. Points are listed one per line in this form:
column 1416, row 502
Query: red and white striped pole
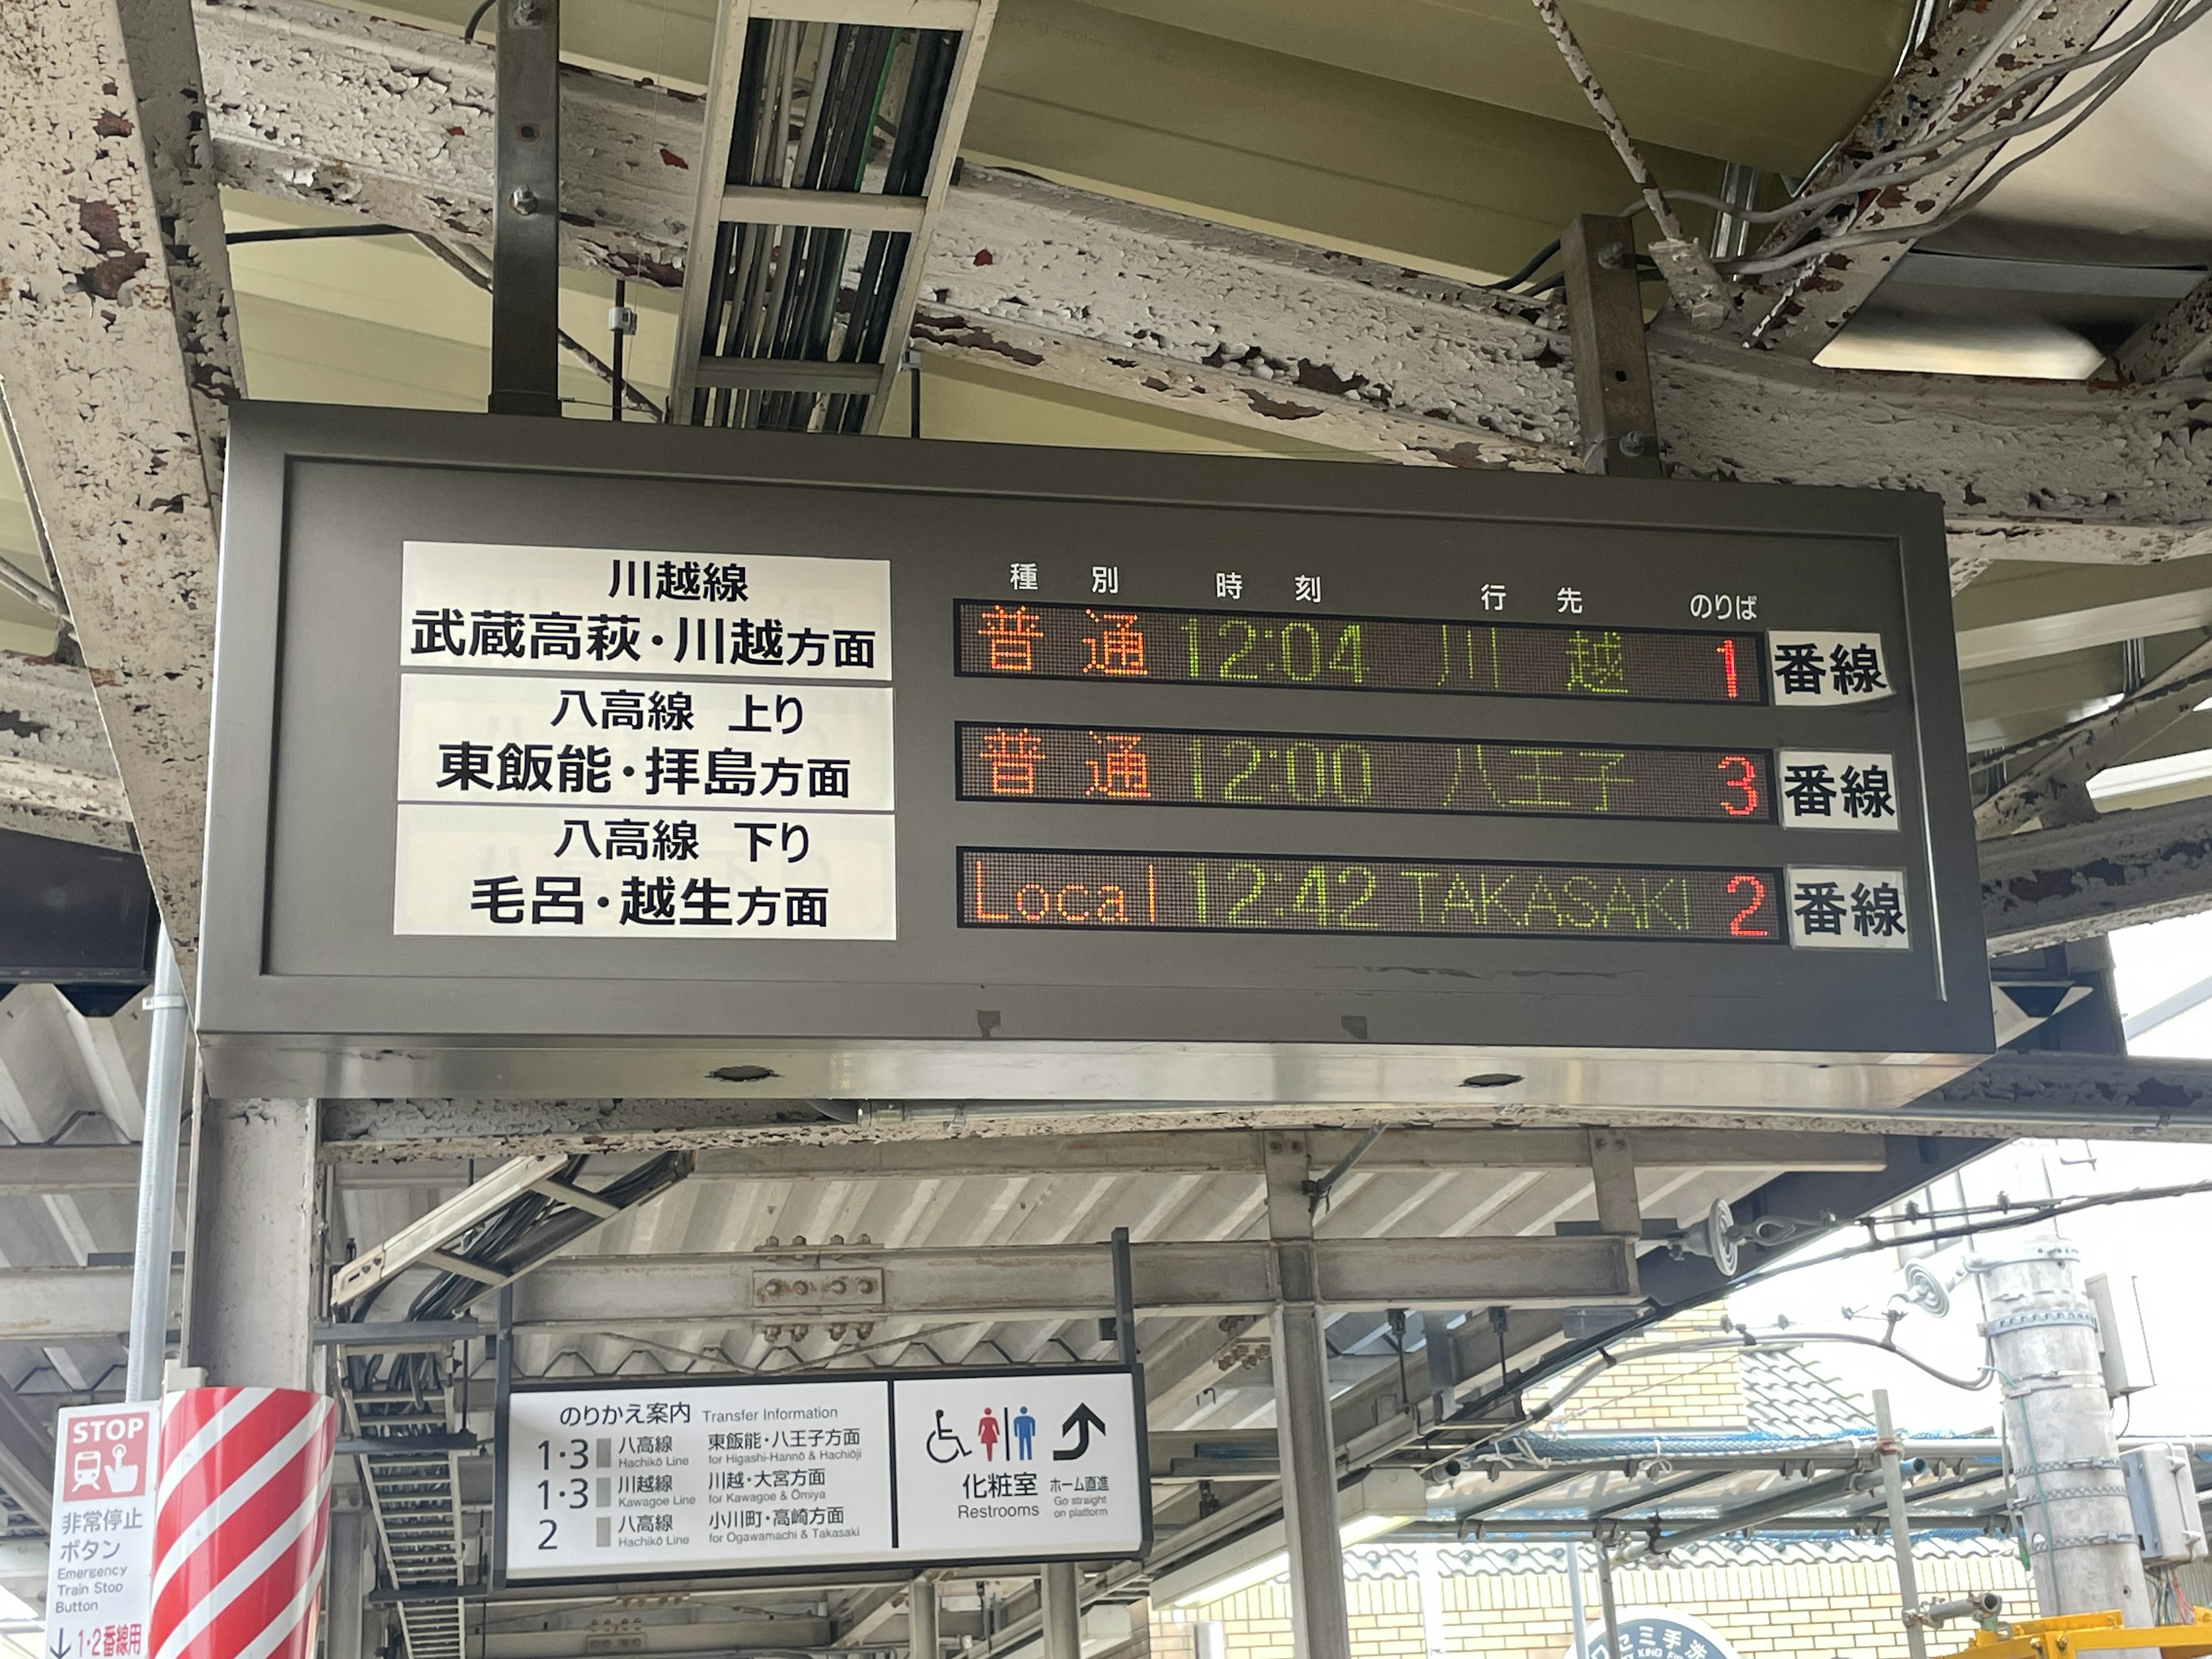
column 242, row 1523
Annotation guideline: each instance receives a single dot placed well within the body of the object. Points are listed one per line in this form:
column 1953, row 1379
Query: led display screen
column 1105, row 643
column 1260, row 893
column 1318, row 772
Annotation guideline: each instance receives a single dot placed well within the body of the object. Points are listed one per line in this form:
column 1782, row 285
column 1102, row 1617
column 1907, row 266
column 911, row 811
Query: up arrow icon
column 1081, row 1420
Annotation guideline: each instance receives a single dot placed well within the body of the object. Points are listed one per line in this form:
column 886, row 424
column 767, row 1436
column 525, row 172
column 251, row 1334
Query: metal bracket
column 398, row 1335
column 2081, row 1542
column 2038, row 1317
column 2065, row 1464
column 526, row 242
column 432, row 1241
column 1604, row 324
column 818, row 1289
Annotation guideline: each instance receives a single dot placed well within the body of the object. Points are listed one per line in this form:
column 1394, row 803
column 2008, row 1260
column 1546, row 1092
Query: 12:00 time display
column 1176, row 766
column 1363, row 653
column 1268, row 893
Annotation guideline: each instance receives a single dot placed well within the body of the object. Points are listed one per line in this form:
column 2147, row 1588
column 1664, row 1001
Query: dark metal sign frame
column 304, row 986
column 901, row 1565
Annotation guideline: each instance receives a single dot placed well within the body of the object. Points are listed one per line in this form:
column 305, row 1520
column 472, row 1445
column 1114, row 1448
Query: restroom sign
column 1048, row 1462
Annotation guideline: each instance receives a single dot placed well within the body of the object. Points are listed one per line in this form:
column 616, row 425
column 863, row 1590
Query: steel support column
column 168, row 1072
column 1304, row 1435
column 249, row 1282
column 922, row 1640
column 345, row 1600
column 1606, row 1599
column 2065, row 1459
column 1060, row 1593
column 1901, row 1528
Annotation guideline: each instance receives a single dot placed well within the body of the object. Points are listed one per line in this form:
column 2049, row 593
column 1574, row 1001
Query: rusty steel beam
column 2053, row 789
column 2166, row 346
column 2035, row 1091
column 2049, row 886
column 1976, row 56
column 119, row 346
column 56, row 772
column 1031, row 283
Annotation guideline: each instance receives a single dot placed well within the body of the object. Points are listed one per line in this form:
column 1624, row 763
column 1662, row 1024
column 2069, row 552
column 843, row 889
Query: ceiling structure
column 1439, row 137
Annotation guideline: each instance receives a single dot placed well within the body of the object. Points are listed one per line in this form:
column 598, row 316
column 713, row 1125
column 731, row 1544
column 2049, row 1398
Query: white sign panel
column 621, row 1483
column 558, row 610
column 1020, row 1465
column 650, row 873
column 629, row 746
column 1847, row 910
column 1836, row 789
column 1826, row 668
column 99, row 1563
column 511, row 740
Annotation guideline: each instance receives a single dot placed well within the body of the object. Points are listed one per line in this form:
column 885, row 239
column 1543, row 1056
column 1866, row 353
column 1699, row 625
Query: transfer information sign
column 690, row 1479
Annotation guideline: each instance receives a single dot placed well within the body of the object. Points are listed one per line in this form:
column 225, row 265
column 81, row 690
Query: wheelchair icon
column 941, row 1437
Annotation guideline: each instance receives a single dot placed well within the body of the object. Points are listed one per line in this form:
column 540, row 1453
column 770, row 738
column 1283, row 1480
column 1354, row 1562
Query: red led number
column 1746, row 783
column 1727, row 649
column 1736, row 884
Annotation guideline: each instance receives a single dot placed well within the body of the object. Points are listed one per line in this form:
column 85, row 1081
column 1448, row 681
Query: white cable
column 1819, row 248
column 2162, row 25
column 1879, row 173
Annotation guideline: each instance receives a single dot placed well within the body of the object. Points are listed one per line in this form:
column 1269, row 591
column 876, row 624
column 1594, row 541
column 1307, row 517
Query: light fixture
column 1380, row 1502
column 2152, row 782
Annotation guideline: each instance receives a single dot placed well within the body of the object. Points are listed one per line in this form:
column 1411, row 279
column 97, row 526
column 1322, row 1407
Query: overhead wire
column 2031, row 1213
column 1819, row 248
column 2167, row 23
column 2028, row 1213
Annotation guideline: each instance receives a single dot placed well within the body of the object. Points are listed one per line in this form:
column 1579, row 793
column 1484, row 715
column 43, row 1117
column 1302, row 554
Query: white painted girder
column 343, row 110
column 119, row 352
column 58, row 773
column 1975, row 56
column 339, row 109
column 64, row 1305
column 622, row 1293
column 2178, row 343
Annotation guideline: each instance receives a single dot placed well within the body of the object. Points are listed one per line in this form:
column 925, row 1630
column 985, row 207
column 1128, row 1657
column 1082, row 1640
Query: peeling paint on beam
column 58, row 773
column 1038, row 281
column 2100, row 1093
column 1169, row 387
column 1284, row 329
column 118, row 346
column 2049, row 886
column 338, row 109
column 1998, row 45
column 2180, row 342
column 2053, row 789
column 2066, row 463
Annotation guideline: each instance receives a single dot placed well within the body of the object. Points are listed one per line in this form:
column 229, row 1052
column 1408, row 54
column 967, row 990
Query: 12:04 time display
column 1109, row 642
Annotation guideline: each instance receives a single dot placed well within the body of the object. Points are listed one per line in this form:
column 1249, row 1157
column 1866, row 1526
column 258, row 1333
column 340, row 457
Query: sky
column 2156, row 1253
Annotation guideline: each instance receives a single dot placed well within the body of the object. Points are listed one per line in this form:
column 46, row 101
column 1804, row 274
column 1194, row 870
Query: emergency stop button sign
column 1043, row 1462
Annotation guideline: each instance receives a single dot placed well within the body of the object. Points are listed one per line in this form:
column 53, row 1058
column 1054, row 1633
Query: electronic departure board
column 646, row 760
